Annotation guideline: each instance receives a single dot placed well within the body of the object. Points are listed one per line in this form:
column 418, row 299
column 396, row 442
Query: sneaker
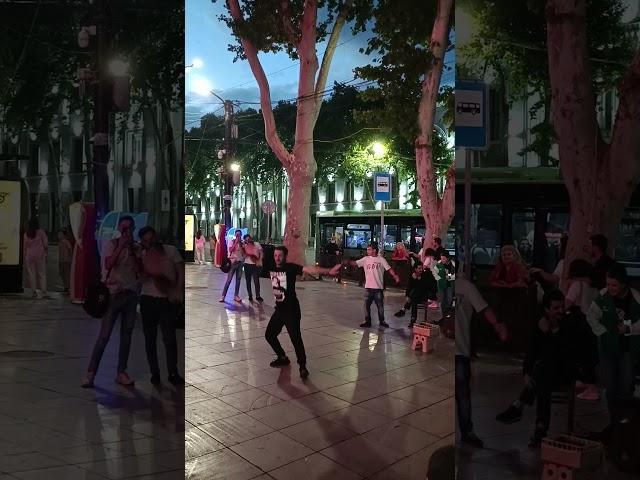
column 304, row 373
column 87, row 382
column 259, row 299
column 237, row 299
column 365, row 324
column 280, row 362
column 221, row 300
column 399, row 313
column 472, row 439
column 384, row 324
column 35, row 294
column 176, row 379
column 124, row 379
column 591, row 394
column 155, row 379
column 251, row 299
column 511, row 415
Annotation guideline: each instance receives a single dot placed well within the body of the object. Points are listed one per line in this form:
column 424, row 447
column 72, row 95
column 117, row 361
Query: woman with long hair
column 35, row 246
column 200, row 241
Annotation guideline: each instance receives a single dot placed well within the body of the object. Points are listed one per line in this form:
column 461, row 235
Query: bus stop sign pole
column 382, row 193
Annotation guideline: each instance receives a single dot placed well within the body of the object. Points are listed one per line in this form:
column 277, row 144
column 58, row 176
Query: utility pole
column 101, row 118
column 228, row 181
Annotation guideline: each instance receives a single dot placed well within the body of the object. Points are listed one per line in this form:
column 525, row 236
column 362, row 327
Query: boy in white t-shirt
column 374, row 268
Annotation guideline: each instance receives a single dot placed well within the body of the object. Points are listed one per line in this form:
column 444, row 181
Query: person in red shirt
column 509, row 272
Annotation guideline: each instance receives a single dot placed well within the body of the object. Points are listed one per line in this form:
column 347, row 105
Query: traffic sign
column 471, row 115
column 382, row 187
column 268, row 207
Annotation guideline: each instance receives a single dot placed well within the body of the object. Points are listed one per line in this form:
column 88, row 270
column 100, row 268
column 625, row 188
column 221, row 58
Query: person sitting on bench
column 552, row 362
column 422, row 286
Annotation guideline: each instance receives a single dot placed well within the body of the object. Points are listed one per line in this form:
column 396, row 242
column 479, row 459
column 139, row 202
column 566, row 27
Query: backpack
column 96, row 299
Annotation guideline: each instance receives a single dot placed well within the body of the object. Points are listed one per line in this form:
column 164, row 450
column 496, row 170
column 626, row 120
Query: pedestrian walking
column 120, row 273
column 374, row 267
column 35, row 245
column 200, row 241
column 162, row 287
column 287, row 308
column 252, row 266
column 236, row 254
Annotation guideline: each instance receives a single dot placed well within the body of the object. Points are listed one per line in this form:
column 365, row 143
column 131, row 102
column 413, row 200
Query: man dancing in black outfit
column 287, row 310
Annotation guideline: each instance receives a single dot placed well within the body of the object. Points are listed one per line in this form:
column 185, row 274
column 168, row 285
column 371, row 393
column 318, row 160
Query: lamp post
column 379, row 150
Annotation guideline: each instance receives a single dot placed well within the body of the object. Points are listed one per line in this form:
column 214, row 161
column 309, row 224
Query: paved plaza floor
column 52, row 429
column 497, row 380
column 371, row 408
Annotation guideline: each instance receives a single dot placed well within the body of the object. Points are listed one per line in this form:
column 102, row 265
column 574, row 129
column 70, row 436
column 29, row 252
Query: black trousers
column 416, row 296
column 463, row 394
column 286, row 317
column 548, row 374
column 159, row 312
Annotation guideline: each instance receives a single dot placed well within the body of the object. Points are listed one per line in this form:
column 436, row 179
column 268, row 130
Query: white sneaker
column 591, row 394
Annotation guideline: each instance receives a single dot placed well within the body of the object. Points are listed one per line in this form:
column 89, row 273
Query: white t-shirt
column 468, row 300
column 255, row 249
column 374, row 268
column 582, row 294
column 558, row 271
column 123, row 275
column 148, row 286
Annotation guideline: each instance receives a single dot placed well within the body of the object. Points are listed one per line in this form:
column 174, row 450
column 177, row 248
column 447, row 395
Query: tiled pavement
column 371, row 408
column 497, row 380
column 50, row 428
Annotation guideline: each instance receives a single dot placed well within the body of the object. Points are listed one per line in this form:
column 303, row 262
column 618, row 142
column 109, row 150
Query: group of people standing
column 35, row 248
column 589, row 336
column 149, row 274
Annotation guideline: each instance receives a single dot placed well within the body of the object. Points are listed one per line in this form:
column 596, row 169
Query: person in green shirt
column 614, row 318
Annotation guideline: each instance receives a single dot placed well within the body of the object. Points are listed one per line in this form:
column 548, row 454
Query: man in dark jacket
column 422, row 286
column 552, row 362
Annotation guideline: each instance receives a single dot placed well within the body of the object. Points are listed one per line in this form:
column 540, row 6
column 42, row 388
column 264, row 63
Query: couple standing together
column 153, row 274
column 243, row 252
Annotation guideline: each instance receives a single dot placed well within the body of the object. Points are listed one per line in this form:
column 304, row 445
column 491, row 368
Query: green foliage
column 264, row 23
column 38, row 65
column 511, row 39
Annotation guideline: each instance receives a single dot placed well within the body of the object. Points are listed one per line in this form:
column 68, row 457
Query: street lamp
column 378, row 149
column 118, row 68
column 235, row 167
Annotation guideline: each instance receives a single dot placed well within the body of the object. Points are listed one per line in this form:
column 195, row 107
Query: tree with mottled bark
column 294, row 27
column 408, row 70
column 600, row 176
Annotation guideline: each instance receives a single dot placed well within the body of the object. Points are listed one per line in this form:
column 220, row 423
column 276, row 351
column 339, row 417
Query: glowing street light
column 235, row 167
column 118, row 68
column 378, row 149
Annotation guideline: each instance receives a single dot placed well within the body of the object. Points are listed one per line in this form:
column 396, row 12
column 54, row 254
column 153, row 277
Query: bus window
column 390, row 235
column 523, row 228
column 331, row 230
column 628, row 244
column 557, row 226
column 405, row 236
column 357, row 238
column 486, row 233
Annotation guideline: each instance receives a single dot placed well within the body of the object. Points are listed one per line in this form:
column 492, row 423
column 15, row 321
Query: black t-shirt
column 332, row 248
column 283, row 282
column 600, row 268
column 623, row 311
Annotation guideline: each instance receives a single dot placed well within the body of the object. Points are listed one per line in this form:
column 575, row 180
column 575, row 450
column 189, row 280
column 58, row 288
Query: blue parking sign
column 382, row 187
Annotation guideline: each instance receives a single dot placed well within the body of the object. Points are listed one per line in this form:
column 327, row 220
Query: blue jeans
column 373, row 295
column 123, row 305
column 619, row 381
column 236, row 269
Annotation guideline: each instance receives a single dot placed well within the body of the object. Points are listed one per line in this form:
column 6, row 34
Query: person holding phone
column 237, row 254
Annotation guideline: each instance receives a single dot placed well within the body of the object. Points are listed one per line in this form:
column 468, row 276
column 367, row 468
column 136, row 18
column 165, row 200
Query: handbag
column 96, row 299
column 225, row 266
